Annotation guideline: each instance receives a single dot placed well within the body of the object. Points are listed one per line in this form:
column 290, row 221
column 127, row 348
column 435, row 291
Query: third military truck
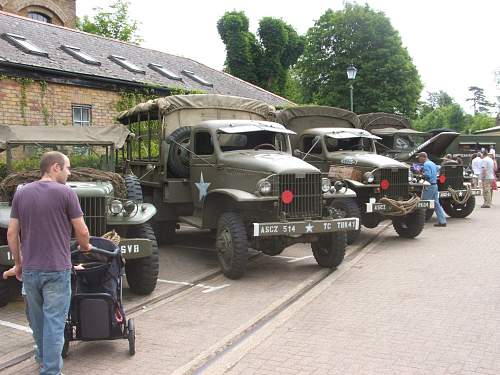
column 400, row 141
column 331, row 139
column 215, row 162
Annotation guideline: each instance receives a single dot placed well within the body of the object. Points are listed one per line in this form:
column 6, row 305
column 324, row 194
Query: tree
column 266, row 60
column 479, row 121
column 240, row 45
column 387, row 79
column 451, row 117
column 435, row 99
column 113, row 23
column 479, row 101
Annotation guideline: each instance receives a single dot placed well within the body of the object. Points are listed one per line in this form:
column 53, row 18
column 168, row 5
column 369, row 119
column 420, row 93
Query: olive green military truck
column 215, row 162
column 402, row 143
column 109, row 202
column 331, row 140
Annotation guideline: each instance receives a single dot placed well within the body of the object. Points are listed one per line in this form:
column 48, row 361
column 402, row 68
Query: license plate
column 305, row 227
column 381, row 207
column 133, row 248
column 461, row 193
column 425, row 204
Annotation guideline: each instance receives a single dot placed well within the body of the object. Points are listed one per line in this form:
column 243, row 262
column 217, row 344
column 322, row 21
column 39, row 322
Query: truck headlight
column 264, row 187
column 325, row 185
column 130, row 207
column 368, row 177
column 116, row 207
column 339, row 185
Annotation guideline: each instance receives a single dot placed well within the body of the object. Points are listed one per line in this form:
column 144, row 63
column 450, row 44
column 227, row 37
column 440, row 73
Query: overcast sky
column 454, row 44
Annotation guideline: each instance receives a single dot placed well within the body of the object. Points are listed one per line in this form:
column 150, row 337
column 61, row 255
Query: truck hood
column 435, row 147
column 273, row 162
column 91, row 189
column 363, row 159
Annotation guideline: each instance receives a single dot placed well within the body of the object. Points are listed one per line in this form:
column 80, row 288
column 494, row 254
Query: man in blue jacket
column 430, row 172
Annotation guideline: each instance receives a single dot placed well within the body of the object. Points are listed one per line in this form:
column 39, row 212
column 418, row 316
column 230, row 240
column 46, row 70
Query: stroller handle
column 109, row 254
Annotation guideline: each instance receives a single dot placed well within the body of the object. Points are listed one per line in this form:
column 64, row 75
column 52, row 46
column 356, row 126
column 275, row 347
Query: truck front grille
column 94, row 214
column 398, row 183
column 454, row 177
column 307, row 195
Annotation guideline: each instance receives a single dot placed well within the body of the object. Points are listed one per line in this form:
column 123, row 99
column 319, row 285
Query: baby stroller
column 96, row 311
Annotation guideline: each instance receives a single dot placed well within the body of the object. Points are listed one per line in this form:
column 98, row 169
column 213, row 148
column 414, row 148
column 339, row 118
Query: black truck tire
column 428, row 213
column 178, row 157
column 411, row 225
column 329, row 250
column 232, row 245
column 134, row 189
column 454, row 209
column 142, row 273
column 349, row 208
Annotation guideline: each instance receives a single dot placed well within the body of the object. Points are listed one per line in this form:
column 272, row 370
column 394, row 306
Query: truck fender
column 144, row 213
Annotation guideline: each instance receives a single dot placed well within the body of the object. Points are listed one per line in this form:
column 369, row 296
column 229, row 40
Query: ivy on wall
column 24, row 83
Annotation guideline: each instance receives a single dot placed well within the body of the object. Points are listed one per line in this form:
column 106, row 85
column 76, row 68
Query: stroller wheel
column 67, row 338
column 131, row 336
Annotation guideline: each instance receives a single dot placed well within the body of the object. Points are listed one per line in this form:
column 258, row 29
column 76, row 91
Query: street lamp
column 351, row 76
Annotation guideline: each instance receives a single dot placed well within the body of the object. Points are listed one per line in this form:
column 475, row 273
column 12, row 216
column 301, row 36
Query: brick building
column 57, row 12
column 55, row 75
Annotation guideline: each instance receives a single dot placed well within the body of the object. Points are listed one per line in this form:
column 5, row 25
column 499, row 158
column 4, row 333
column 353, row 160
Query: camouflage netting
column 78, row 174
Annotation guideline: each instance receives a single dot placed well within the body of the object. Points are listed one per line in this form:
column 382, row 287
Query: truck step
column 195, row 221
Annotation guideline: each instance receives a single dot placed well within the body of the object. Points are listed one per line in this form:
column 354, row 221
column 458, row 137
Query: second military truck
column 331, row 140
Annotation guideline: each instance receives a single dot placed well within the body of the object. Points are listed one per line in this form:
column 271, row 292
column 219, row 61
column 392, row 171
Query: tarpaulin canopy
column 156, row 108
column 63, row 135
column 302, row 118
column 379, row 120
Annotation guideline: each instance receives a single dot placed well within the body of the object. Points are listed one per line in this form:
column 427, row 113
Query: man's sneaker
column 440, row 225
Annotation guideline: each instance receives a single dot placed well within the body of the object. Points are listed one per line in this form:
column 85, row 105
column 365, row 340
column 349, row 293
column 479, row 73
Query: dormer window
column 79, row 55
column 37, row 16
column 197, row 78
column 165, row 72
column 24, row 44
column 123, row 62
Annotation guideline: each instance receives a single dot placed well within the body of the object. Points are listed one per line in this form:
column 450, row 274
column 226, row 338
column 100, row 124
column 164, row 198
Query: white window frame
column 81, row 108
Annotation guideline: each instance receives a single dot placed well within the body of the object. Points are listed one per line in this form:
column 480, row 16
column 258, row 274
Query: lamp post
column 351, row 76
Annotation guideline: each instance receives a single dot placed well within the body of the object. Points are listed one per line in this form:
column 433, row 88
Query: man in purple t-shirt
column 44, row 213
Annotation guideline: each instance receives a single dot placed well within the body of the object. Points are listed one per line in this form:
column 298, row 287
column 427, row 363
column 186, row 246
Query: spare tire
column 134, row 189
column 178, row 156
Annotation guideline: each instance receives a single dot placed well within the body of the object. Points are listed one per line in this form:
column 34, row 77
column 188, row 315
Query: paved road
column 178, row 328
column 423, row 306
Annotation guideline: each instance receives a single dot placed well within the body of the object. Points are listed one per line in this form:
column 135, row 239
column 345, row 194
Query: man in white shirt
column 477, row 167
column 492, row 150
column 487, row 178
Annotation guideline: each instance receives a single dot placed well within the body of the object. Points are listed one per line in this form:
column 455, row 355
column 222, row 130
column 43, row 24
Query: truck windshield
column 348, row 144
column 405, row 142
column 252, row 140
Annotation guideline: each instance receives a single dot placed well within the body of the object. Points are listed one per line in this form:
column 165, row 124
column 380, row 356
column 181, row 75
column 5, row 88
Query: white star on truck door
column 202, row 187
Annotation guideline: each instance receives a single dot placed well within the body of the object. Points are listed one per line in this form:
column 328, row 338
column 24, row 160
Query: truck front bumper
column 293, row 228
column 461, row 193
column 377, row 207
column 131, row 248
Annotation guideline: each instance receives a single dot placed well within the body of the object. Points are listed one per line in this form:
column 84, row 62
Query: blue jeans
column 48, row 296
column 431, row 193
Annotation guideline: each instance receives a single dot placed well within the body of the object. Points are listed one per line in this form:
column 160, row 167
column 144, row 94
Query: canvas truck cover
column 302, row 118
column 381, row 120
column 67, row 135
column 189, row 110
